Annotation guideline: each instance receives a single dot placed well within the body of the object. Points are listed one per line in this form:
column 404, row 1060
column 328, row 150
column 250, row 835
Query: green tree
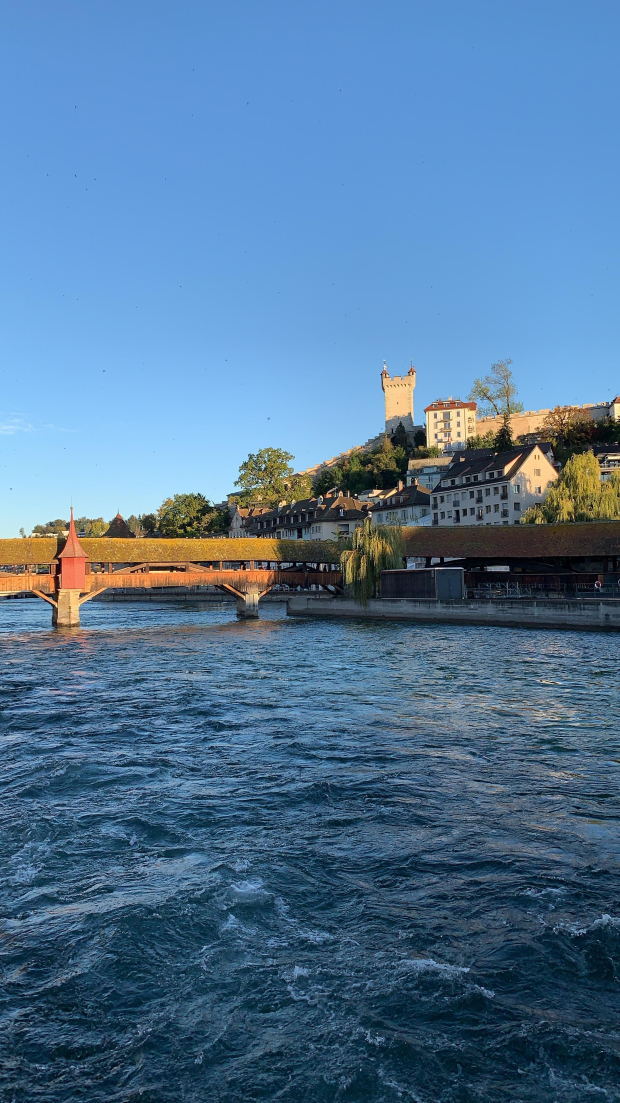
column 607, row 431
column 421, row 453
column 375, row 548
column 92, row 526
column 578, row 495
column 496, row 394
column 399, row 438
column 51, row 528
column 189, row 515
column 148, row 523
column 487, row 440
column 503, row 441
column 387, row 464
column 267, row 478
column 419, row 439
column 327, row 479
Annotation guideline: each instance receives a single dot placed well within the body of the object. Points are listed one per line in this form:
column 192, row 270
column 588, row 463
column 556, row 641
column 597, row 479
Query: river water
column 302, row 861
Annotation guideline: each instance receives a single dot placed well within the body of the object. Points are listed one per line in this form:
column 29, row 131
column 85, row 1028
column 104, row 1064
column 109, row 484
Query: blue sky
column 218, row 219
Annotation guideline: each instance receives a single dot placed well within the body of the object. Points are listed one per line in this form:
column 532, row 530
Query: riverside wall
column 545, row 613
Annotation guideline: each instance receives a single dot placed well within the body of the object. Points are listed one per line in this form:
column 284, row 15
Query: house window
column 516, row 488
column 496, row 490
column 488, row 509
column 449, row 514
column 472, row 511
column 435, row 519
column 458, row 434
column 467, row 478
column 537, row 471
column 441, row 499
column 443, row 516
column 504, row 512
column 472, row 493
column 487, row 491
column 496, row 508
column 479, row 514
column 538, row 490
column 517, row 506
column 434, row 503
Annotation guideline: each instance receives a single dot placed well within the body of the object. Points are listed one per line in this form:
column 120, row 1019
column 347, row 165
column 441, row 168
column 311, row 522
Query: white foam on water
column 248, row 888
column 428, row 964
column 604, row 921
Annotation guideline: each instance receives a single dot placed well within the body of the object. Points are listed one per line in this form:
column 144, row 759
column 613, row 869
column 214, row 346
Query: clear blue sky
column 219, row 218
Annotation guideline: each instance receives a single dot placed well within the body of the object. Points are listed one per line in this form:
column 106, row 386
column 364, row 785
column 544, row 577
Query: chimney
column 400, row 484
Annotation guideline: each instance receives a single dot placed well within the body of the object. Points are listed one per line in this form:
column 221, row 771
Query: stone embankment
column 589, row 614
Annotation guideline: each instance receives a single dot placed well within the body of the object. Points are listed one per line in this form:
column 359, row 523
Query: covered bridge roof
column 515, row 541
column 106, row 550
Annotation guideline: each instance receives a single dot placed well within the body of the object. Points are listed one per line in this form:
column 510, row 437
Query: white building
column 406, row 505
column 483, row 489
column 449, row 423
column 241, row 517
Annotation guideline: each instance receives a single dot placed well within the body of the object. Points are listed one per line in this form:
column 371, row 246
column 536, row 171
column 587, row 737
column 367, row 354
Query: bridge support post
column 66, row 613
column 247, row 605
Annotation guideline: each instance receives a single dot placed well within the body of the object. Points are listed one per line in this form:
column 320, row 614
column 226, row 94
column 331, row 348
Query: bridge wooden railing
column 235, row 581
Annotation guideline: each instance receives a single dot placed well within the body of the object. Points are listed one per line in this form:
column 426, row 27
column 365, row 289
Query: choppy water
column 299, row 861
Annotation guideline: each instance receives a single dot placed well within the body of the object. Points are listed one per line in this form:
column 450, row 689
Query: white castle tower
column 398, row 399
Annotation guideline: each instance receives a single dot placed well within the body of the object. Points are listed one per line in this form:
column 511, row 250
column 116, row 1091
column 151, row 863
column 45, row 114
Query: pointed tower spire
column 72, row 561
column 72, row 549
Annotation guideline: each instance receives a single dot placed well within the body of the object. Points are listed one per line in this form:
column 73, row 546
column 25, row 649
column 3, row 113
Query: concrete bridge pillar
column 247, row 605
column 66, row 614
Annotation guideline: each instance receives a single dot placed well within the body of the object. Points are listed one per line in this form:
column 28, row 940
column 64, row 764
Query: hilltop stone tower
column 398, row 393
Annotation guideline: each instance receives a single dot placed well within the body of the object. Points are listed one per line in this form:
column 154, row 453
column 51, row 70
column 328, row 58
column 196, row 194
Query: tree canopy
column 190, row 515
column 578, row 495
column 375, row 548
column 380, row 469
column 267, row 478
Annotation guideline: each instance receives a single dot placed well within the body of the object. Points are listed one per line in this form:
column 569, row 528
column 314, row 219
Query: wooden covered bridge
column 66, row 573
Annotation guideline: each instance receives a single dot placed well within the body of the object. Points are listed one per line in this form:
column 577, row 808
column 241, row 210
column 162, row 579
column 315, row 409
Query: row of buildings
column 473, row 487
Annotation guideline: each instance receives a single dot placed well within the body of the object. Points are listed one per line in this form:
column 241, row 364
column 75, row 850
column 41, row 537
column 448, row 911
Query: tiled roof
column 401, row 499
column 450, row 404
column 510, row 462
column 529, row 541
column 329, row 509
column 119, row 529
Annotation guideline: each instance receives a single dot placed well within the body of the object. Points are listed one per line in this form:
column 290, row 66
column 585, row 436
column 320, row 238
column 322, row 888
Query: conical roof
column 72, row 549
column 119, row 529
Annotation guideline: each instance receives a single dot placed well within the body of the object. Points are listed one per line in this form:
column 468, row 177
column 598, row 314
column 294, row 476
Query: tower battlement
column 398, row 391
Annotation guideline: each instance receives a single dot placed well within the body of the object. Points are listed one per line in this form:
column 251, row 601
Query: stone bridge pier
column 66, row 609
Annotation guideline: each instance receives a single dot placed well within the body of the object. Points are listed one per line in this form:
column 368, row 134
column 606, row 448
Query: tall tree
column 496, row 394
column 267, row 478
column 375, row 548
column 578, row 495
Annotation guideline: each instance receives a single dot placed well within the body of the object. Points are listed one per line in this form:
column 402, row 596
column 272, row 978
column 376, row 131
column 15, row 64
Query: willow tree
column 375, row 548
column 579, row 495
